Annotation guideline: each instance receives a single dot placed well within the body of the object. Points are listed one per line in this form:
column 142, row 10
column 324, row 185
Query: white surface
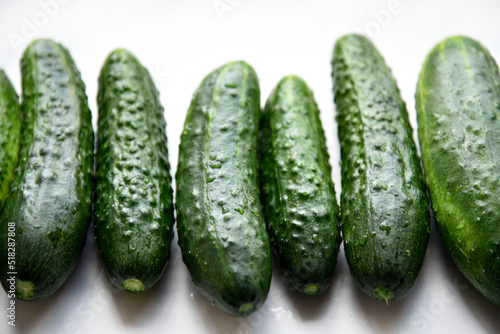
column 182, row 41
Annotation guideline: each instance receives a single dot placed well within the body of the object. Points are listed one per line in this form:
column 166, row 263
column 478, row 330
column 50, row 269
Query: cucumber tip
column 133, row 285
column 25, row 290
column 246, row 309
column 311, row 289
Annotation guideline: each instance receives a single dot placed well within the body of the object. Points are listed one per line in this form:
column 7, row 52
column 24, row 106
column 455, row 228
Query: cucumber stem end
column 383, row 293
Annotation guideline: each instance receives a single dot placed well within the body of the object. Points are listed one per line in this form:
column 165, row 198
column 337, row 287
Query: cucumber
column 51, row 199
column 221, row 228
column 297, row 190
column 10, row 130
column 458, row 105
column 134, row 201
column 384, row 205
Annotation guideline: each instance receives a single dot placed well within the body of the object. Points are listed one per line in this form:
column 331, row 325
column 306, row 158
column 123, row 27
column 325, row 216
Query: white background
column 182, row 41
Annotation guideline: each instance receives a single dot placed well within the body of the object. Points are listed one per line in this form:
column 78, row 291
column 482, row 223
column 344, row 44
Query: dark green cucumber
column 51, row 199
column 221, row 228
column 10, row 130
column 384, row 205
column 134, row 201
column 458, row 106
column 297, row 190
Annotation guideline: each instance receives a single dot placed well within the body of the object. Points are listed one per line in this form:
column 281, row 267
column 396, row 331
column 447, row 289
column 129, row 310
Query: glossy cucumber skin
column 220, row 224
column 385, row 209
column 51, row 199
column 10, row 130
column 134, row 200
column 298, row 193
column 458, row 105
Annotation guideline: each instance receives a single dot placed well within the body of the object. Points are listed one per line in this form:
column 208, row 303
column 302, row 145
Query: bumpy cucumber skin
column 134, row 211
column 10, row 130
column 384, row 205
column 458, row 105
column 221, row 228
column 51, row 199
column 297, row 190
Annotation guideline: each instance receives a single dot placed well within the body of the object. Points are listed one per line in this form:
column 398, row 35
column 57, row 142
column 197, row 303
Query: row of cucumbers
column 248, row 181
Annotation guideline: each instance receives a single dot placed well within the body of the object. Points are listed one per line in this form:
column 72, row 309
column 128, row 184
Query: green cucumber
column 10, row 130
column 297, row 189
column 134, row 201
column 51, row 199
column 221, row 228
column 384, row 205
column 458, row 106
